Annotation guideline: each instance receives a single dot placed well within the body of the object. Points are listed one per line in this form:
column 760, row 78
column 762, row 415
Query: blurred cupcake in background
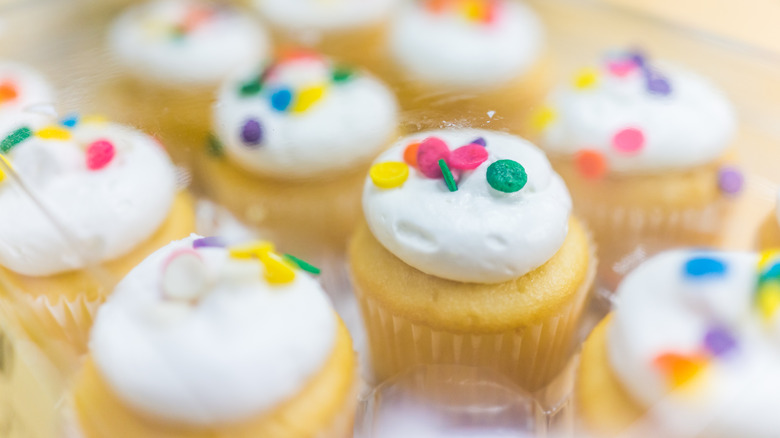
column 469, row 255
column 201, row 340
column 690, row 350
column 769, row 233
column 351, row 31
column 646, row 150
column 91, row 200
column 170, row 56
column 293, row 142
column 479, row 63
column 25, row 97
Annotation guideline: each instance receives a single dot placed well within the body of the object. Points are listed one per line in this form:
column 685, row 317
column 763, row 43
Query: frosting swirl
column 190, row 42
column 694, row 336
column 199, row 335
column 465, row 43
column 106, row 184
column 304, row 117
column 508, row 215
column 637, row 117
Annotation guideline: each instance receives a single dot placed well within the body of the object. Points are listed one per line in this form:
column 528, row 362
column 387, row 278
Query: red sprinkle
column 468, row 157
column 429, row 153
column 410, row 154
column 629, row 140
column 591, row 164
column 99, row 154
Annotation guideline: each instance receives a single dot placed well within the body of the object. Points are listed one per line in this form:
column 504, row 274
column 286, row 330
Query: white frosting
column 447, row 49
column 112, row 209
column 476, row 234
column 143, row 39
column 33, row 94
column 691, row 126
column 325, row 15
column 349, row 125
column 660, row 310
column 243, row 349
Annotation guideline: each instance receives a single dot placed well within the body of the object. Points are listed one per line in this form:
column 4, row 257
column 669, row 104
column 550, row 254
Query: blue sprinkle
column 70, row 120
column 704, row 267
column 480, row 141
column 773, row 273
column 281, row 99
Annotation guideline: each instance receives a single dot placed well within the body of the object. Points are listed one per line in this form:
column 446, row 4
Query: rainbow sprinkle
column 8, row 91
column 473, row 11
column 506, row 176
column 389, row 175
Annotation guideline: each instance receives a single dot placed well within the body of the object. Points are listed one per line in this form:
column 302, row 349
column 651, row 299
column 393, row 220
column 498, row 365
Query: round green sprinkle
column 506, row 176
column 214, row 146
column 448, row 178
column 342, row 74
column 251, row 88
column 14, row 139
column 308, row 267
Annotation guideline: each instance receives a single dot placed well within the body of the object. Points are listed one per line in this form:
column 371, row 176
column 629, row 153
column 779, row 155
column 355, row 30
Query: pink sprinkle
column 629, row 140
column 468, row 157
column 99, row 154
column 621, row 68
column 429, row 153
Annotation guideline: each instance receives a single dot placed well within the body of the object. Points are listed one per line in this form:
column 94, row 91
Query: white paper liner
column 531, row 356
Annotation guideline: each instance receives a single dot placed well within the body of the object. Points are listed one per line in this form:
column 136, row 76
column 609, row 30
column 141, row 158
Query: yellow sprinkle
column 768, row 299
column 277, row 271
column 251, row 250
column 542, row 118
column 2, row 169
column 94, row 118
column 767, row 256
column 308, row 97
column 474, row 10
column 586, row 78
column 389, row 175
column 53, row 133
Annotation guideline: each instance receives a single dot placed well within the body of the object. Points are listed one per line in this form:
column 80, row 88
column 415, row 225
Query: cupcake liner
column 530, row 356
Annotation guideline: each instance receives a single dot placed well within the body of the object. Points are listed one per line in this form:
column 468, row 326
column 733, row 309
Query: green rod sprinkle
column 308, row 267
column 14, row 139
column 214, row 146
column 448, row 178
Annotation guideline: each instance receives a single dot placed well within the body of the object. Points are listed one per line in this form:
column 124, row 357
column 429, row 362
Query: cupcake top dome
column 204, row 334
column 467, row 205
column 186, row 42
column 22, row 89
column 696, row 336
column 103, row 182
column 466, row 43
column 304, row 116
column 633, row 115
column 318, row 15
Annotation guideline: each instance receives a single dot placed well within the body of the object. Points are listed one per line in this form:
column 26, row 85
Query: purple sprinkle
column 637, row 57
column 480, row 141
column 208, row 242
column 252, row 133
column 730, row 180
column 719, row 341
column 657, row 84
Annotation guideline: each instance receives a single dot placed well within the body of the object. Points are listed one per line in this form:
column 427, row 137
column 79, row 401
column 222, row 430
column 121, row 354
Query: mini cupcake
column 689, row 350
column 644, row 149
column 24, row 94
column 201, row 341
column 87, row 193
column 478, row 63
column 171, row 56
column 297, row 138
column 469, row 255
column 769, row 234
column 351, row 31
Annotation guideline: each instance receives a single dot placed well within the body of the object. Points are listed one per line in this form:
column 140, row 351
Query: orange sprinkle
column 196, row 16
column 8, row 91
column 410, row 154
column 437, row 6
column 679, row 368
column 591, row 164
